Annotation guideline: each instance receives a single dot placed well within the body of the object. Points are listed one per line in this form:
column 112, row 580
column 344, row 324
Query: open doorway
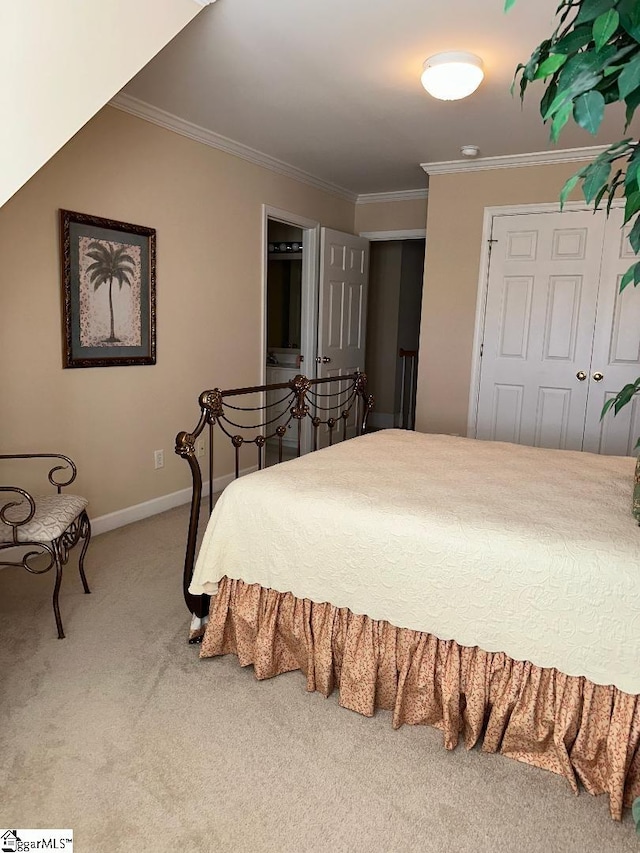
column 290, row 292
column 331, row 300
column 284, row 313
column 284, row 291
column 393, row 324
column 290, row 299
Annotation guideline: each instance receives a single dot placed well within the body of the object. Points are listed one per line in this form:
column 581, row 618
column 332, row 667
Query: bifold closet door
column 539, row 326
column 616, row 348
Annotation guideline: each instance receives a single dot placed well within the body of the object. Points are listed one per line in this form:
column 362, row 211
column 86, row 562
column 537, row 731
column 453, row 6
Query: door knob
column 581, row 375
column 323, row 359
column 598, row 377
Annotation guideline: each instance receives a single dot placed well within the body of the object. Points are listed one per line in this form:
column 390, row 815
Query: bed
column 488, row 589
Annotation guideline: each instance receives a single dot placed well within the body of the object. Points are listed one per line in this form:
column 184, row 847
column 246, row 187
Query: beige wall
column 454, row 236
column 391, row 216
column 61, row 62
column 206, row 207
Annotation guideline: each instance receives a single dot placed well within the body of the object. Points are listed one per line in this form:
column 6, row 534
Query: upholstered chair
column 48, row 526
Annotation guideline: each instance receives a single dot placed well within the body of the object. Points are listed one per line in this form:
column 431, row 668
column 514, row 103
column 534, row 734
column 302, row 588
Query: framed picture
column 108, row 292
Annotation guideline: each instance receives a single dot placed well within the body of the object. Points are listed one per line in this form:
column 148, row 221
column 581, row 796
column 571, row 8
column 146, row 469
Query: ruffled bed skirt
column 586, row 732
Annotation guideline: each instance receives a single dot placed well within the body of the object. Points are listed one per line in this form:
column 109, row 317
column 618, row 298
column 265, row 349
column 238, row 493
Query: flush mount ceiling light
column 453, row 75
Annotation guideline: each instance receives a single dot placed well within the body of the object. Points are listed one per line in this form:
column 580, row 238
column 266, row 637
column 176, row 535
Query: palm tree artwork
column 111, row 262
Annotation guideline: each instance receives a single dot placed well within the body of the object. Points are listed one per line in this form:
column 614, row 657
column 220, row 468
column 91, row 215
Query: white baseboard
column 121, row 517
column 112, row 520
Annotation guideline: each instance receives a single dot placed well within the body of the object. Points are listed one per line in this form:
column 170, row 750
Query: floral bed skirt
column 584, row 731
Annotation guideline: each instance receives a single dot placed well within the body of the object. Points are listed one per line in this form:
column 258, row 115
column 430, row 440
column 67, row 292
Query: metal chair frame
column 57, row 551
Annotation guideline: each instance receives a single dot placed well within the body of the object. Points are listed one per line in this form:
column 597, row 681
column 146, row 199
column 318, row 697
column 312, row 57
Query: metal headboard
column 330, row 409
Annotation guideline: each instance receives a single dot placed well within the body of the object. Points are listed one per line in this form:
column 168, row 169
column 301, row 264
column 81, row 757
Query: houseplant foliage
column 590, row 60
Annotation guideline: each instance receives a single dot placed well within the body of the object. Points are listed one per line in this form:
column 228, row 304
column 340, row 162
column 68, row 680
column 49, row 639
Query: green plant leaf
column 626, row 7
column 635, row 812
column 565, row 192
column 609, row 91
column 550, row 65
column 629, row 79
column 609, row 56
column 625, row 396
column 583, row 82
column 613, row 188
column 632, row 205
column 508, row 4
column 538, row 56
column 515, row 80
column 619, row 148
column 627, row 278
column 550, row 93
column 634, row 236
column 573, row 40
column 601, row 193
column 597, row 175
column 565, row 5
column 588, row 111
column 592, row 9
column 604, row 27
column 630, row 17
column 606, row 407
column 560, row 119
column 632, row 101
column 578, row 64
column 631, row 178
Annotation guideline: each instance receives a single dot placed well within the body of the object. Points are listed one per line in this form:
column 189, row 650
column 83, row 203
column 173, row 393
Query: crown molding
column 510, row 161
column 401, row 195
column 148, row 112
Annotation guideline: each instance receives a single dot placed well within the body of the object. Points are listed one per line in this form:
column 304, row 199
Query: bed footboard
column 279, row 422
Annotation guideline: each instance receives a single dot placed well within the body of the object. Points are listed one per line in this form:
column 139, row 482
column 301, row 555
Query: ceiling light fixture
column 453, row 75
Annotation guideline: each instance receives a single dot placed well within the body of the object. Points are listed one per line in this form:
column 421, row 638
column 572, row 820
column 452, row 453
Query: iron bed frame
column 324, row 406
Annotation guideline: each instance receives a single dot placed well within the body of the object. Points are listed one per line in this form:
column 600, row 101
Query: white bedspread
column 515, row 549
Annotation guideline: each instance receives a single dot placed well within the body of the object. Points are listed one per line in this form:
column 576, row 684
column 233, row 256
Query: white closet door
column 616, row 348
column 539, row 324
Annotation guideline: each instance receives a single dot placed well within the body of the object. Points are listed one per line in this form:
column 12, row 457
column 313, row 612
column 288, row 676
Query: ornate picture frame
column 108, row 291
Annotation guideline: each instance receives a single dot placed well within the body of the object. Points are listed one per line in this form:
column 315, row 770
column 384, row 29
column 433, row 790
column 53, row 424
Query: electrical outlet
column 158, row 458
column 201, row 446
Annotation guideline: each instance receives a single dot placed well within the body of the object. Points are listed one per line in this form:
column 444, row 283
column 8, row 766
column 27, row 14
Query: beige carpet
column 120, row 733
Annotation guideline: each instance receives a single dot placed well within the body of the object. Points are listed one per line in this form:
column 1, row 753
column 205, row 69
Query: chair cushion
column 54, row 513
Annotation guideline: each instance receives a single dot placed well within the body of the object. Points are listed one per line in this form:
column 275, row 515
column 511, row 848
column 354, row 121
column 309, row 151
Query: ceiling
column 333, row 87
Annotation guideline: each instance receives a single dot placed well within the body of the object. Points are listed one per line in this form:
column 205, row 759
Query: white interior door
column 342, row 320
column 539, row 325
column 616, row 348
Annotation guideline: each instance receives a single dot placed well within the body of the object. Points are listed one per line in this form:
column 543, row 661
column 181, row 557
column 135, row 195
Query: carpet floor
column 120, row 733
